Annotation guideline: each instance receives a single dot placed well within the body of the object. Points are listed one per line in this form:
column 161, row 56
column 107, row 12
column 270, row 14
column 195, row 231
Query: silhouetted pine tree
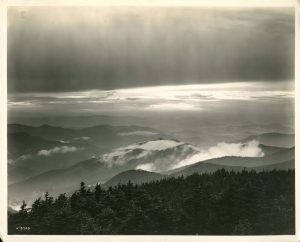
column 222, row 203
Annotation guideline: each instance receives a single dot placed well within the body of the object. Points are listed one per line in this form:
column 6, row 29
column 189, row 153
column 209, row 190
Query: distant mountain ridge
column 274, row 139
column 96, row 170
column 206, row 167
column 20, row 143
column 134, row 176
column 277, row 157
column 57, row 133
column 157, row 155
column 104, row 167
column 47, row 147
column 268, row 150
column 105, row 137
column 17, row 174
column 128, row 151
column 200, row 168
column 237, row 163
column 140, row 176
column 34, row 152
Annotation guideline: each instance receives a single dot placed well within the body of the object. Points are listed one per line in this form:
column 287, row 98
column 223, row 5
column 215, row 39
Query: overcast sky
column 79, row 49
column 214, row 64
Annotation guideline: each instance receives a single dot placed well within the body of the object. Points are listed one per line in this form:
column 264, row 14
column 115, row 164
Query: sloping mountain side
column 60, row 180
column 21, row 143
column 268, row 150
column 45, row 131
column 159, row 153
column 155, row 155
column 205, row 167
column 105, row 137
column 139, row 177
column 277, row 157
column 134, row 176
column 46, row 147
column 286, row 165
column 271, row 155
column 94, row 170
column 222, row 203
column 32, row 152
column 16, row 173
column 81, row 121
column 274, row 139
column 282, row 160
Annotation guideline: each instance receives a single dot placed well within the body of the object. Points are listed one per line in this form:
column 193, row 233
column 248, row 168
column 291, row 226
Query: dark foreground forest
column 222, row 203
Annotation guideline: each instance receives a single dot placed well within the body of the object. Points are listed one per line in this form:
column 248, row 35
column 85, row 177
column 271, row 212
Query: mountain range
column 158, row 152
column 40, row 154
column 55, row 159
column 280, row 160
column 106, row 136
column 46, row 147
column 134, row 176
column 274, row 139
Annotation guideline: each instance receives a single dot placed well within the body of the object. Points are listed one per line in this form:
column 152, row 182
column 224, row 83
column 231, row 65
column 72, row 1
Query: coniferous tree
column 222, row 203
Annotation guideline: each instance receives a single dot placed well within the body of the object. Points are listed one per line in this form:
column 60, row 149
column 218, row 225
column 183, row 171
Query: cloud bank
column 59, row 150
column 20, row 158
column 138, row 133
column 147, row 167
column 158, row 153
column 188, row 98
column 250, row 149
column 162, row 155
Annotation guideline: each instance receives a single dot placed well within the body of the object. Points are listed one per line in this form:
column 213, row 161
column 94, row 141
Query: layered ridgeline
column 137, row 155
column 26, row 151
column 274, row 139
column 46, row 148
column 99, row 133
column 159, row 154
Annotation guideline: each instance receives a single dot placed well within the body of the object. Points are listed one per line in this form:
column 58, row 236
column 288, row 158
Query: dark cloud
column 65, row 49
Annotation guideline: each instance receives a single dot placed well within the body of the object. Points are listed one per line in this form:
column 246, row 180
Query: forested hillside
column 222, row 203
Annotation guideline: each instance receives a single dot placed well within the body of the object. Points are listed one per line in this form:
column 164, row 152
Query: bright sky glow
column 158, row 98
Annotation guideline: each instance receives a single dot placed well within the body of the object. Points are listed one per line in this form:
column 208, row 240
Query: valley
column 54, row 159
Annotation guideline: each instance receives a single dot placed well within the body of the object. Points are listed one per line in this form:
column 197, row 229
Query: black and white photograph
column 150, row 120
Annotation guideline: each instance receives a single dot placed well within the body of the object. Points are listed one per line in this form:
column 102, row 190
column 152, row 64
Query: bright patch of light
column 160, row 98
column 172, row 106
column 146, row 167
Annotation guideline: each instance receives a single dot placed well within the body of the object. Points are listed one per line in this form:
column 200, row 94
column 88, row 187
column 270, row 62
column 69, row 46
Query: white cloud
column 162, row 98
column 146, row 167
column 21, row 103
column 150, row 157
column 58, row 150
column 20, row 158
column 204, row 92
column 24, row 157
column 250, row 149
column 122, row 155
column 173, row 106
column 159, row 145
column 15, row 205
column 140, row 133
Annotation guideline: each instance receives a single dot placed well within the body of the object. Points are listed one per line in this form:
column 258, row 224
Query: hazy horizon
column 210, row 64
